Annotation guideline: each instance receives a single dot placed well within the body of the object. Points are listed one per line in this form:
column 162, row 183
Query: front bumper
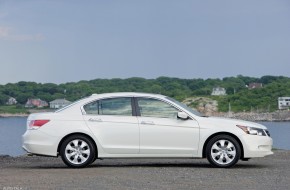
column 37, row 142
column 257, row 146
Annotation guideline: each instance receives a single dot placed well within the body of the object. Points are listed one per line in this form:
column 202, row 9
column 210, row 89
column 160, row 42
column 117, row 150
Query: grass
column 13, row 109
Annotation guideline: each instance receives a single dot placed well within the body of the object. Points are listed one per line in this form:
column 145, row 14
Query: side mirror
column 182, row 115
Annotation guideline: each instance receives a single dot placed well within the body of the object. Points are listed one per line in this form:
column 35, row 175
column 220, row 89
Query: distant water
column 280, row 132
column 12, row 129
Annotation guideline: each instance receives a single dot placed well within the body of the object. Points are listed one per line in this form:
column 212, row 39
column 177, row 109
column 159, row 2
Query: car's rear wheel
column 77, row 151
column 223, row 151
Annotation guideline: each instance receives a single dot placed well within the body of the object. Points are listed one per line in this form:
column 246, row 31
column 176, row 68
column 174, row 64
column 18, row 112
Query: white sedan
column 139, row 125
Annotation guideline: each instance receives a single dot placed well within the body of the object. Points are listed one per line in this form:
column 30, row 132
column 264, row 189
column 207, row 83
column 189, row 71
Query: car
column 141, row 125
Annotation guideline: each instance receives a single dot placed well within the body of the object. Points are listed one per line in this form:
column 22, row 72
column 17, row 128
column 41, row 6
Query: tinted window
column 112, row 106
column 92, row 108
column 156, row 108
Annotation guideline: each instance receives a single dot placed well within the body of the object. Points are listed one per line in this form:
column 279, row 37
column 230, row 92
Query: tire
column 94, row 159
column 223, row 151
column 77, row 151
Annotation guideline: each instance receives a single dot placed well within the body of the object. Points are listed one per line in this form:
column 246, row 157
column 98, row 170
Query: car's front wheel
column 77, row 151
column 223, row 151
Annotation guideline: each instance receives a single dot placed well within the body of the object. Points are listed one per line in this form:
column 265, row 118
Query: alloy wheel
column 77, row 151
column 223, row 152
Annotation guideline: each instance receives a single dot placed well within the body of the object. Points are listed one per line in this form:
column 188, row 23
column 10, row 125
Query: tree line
column 240, row 97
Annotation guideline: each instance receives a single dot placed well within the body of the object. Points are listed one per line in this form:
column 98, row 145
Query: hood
column 219, row 121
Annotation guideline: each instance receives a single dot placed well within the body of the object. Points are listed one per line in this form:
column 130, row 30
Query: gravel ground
column 272, row 172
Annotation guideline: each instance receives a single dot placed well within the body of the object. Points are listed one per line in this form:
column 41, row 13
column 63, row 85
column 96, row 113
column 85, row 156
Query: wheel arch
column 78, row 133
column 222, row 133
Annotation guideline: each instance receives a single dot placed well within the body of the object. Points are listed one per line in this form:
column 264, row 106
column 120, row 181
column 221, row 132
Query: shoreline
column 30, row 111
column 5, row 115
column 277, row 116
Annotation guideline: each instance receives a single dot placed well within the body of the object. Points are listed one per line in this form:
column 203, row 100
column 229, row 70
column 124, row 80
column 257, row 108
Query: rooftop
column 60, row 101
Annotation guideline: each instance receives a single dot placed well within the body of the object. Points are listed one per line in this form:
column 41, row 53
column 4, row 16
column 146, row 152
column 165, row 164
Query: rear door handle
column 95, row 120
column 147, row 122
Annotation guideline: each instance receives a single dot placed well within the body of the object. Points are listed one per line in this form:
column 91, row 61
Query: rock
column 204, row 105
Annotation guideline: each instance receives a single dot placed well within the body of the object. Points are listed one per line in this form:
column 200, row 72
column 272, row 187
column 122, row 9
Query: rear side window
column 111, row 106
column 92, row 108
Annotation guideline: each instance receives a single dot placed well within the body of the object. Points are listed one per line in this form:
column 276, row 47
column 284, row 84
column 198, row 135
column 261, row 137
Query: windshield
column 195, row 112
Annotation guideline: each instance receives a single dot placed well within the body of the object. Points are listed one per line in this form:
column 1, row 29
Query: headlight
column 253, row 130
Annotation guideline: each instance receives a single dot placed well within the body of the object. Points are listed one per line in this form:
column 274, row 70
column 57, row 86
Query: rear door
column 113, row 124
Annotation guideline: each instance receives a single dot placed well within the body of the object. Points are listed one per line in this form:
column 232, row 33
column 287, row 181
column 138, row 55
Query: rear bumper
column 39, row 143
column 257, row 146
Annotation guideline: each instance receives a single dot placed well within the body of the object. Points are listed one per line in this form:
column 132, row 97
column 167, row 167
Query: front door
column 162, row 133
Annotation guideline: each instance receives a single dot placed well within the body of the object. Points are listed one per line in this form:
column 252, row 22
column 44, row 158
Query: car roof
column 129, row 94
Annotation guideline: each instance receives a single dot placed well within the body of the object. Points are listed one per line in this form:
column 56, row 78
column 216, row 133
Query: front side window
column 155, row 108
column 111, row 106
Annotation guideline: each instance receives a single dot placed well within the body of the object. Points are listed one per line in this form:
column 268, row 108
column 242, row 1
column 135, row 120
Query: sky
column 63, row 41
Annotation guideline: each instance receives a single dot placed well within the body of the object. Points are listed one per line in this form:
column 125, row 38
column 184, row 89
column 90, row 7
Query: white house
column 59, row 103
column 11, row 101
column 283, row 103
column 218, row 91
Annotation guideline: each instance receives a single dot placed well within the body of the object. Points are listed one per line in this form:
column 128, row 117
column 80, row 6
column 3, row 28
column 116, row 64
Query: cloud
column 6, row 33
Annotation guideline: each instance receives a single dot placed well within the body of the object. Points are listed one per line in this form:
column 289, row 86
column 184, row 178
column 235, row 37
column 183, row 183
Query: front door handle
column 147, row 122
column 95, row 120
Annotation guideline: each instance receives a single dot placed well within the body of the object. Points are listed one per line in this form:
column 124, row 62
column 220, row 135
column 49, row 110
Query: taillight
column 35, row 124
